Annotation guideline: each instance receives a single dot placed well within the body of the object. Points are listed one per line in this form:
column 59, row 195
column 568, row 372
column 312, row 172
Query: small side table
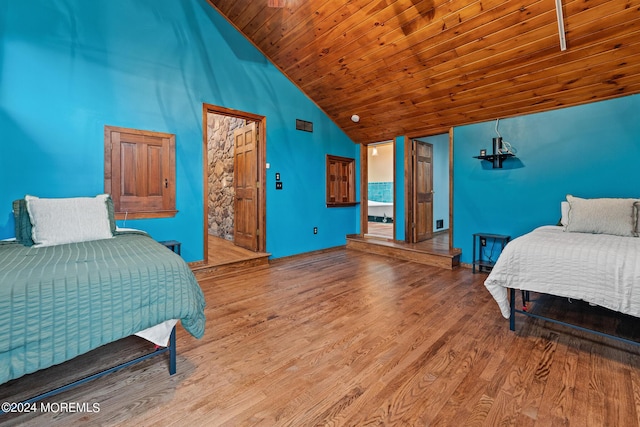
column 480, row 260
column 174, row 245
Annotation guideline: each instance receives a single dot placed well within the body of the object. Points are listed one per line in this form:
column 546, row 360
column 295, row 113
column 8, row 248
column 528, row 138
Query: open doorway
column 380, row 190
column 234, row 199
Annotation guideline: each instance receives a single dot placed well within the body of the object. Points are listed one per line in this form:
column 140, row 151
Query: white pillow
column 77, row 219
column 602, row 216
column 564, row 213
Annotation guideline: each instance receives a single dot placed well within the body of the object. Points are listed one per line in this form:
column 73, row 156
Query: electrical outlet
column 279, row 185
column 315, row 230
column 483, row 241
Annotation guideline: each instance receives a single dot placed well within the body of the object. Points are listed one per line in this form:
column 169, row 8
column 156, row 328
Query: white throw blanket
column 598, row 268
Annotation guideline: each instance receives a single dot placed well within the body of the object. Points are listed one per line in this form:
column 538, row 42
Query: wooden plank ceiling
column 418, row 67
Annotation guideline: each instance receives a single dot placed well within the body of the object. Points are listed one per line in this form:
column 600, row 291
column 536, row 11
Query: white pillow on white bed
column 564, row 213
column 602, row 216
column 68, row 220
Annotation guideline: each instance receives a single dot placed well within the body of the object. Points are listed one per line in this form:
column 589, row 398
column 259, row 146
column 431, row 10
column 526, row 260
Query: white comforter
column 599, row 268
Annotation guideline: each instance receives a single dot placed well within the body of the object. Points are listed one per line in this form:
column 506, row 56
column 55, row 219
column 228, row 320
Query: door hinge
column 257, row 184
column 257, row 231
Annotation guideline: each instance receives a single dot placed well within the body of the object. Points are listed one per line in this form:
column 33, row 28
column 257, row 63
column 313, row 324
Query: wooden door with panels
column 422, row 191
column 245, row 178
column 140, row 172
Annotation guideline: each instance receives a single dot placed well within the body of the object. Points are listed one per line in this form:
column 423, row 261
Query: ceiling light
column 355, row 118
column 374, row 152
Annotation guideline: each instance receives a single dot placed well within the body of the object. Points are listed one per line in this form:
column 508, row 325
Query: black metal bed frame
column 525, row 299
column 171, row 349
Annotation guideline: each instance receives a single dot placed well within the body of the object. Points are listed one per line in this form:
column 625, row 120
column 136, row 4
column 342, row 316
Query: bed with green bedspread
column 58, row 302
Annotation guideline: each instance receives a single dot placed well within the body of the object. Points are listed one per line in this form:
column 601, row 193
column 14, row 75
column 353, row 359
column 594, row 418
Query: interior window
column 341, row 181
column 139, row 172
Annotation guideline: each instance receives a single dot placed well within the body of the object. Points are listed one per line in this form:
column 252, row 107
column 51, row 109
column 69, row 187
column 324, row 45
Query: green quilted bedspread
column 61, row 301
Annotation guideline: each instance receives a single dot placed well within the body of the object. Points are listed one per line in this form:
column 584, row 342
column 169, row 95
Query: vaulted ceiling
column 418, row 67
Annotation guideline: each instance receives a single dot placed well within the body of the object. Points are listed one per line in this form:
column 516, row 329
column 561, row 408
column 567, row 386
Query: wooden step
column 419, row 253
column 225, row 258
column 203, row 271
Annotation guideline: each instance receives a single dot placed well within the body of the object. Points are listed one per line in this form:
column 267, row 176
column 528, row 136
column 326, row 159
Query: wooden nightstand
column 174, row 245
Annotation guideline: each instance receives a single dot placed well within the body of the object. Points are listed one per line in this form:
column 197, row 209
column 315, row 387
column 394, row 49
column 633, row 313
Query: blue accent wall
column 70, row 67
column 591, row 150
column 400, row 188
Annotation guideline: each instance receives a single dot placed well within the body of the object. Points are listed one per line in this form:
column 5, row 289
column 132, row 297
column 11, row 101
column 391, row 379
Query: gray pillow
column 23, row 221
column 602, row 216
column 56, row 221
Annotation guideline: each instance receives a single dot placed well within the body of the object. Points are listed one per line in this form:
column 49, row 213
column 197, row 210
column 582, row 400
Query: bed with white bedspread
column 593, row 256
column 598, row 268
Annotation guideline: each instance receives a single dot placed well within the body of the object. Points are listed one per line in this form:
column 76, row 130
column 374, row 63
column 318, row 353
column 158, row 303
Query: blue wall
column 72, row 66
column 589, row 151
column 400, row 189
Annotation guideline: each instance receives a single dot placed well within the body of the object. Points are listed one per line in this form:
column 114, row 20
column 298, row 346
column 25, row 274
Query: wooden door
column 140, row 172
column 245, row 178
column 422, row 191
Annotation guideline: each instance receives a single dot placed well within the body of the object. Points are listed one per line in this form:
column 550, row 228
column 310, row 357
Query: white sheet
column 159, row 334
column 598, row 268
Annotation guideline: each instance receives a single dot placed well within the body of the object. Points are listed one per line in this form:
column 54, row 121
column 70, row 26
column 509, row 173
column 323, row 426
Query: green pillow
column 112, row 215
column 23, row 222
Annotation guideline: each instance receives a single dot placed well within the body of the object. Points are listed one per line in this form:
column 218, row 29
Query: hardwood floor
column 223, row 251
column 380, row 229
column 347, row 338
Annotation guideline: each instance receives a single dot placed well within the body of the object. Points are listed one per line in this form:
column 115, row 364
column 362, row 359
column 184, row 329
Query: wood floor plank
column 635, row 384
column 346, row 338
column 556, row 400
column 472, row 388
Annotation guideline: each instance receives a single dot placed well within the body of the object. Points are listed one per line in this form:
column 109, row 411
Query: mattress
column 598, row 268
column 61, row 301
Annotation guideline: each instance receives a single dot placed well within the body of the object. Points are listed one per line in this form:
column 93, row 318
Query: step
column 405, row 251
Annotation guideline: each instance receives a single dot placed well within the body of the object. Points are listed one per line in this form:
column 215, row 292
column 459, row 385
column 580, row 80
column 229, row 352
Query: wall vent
column 304, row 125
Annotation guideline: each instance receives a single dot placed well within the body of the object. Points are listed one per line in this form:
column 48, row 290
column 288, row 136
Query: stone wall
column 220, row 160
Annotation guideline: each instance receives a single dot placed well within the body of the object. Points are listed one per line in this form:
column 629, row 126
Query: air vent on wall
column 304, row 125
